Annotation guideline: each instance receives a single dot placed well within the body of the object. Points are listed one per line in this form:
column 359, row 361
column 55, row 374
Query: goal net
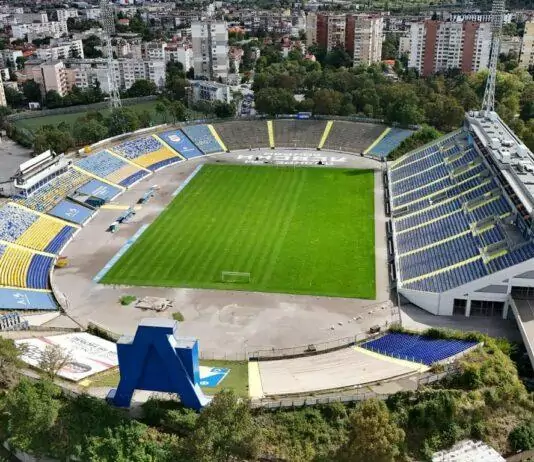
column 235, row 277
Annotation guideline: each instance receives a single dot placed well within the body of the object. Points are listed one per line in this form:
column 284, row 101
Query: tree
column 19, row 62
column 88, row 131
column 32, row 409
column 327, row 102
column 53, row 359
column 141, row 88
column 32, row 90
column 145, row 118
column 373, row 436
column 338, row 57
column 175, row 86
column 521, row 438
column 51, row 137
column 224, row 110
column 14, row 98
column 162, row 110
column 122, row 120
column 53, row 99
column 9, row 362
column 274, row 101
column 445, row 113
column 177, row 110
column 225, row 431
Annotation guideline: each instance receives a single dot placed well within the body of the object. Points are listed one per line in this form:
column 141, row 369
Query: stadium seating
column 147, row 152
column 417, row 348
column 432, row 232
column 112, row 168
column 298, row 133
column 14, row 222
column 244, row 135
column 203, row 138
column 438, row 257
column 511, row 258
column 22, row 268
column 352, row 136
column 47, row 196
column 387, row 144
column 450, row 278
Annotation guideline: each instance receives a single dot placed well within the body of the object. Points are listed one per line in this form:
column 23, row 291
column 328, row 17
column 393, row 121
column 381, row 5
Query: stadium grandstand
column 147, row 152
column 352, row 137
column 232, row 134
column 461, row 225
column 298, row 133
column 112, row 168
column 205, row 138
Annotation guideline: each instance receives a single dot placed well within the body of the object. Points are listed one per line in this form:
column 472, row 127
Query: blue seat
column 139, row 147
column 417, row 348
column 203, row 139
column 390, row 142
column 60, row 239
column 20, row 299
column 38, row 272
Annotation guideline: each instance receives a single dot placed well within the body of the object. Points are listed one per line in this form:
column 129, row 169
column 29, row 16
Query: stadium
column 266, row 234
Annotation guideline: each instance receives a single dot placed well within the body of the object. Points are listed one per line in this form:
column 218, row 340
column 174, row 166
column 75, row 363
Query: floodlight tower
column 497, row 18
column 107, row 18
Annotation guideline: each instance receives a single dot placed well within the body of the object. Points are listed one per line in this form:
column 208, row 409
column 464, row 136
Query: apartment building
column 210, row 91
column 361, row 35
column 438, row 45
column 61, row 50
column 64, row 14
column 180, row 53
column 210, row 49
column 34, row 30
column 526, row 58
column 51, row 76
column 368, row 36
column 153, row 50
column 8, row 57
column 84, row 73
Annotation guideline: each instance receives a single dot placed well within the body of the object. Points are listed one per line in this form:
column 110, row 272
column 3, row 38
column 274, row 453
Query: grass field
column 36, row 122
column 295, row 230
column 237, row 378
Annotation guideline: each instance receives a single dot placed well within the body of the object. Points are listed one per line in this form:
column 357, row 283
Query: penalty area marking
column 120, row 253
column 187, row 180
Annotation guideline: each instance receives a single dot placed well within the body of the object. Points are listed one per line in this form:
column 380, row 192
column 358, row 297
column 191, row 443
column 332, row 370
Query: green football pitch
column 294, row 230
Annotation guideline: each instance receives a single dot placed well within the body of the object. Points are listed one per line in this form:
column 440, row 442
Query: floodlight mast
column 107, row 18
column 497, row 19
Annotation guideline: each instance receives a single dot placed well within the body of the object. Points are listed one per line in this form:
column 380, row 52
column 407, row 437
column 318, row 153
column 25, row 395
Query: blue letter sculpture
column 156, row 359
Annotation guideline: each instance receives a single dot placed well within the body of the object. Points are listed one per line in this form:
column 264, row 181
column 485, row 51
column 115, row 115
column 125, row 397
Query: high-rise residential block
column 210, row 49
column 436, row 46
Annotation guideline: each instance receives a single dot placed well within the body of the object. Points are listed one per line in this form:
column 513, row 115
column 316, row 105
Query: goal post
column 235, row 277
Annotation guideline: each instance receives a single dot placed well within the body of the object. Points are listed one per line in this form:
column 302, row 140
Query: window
column 486, row 308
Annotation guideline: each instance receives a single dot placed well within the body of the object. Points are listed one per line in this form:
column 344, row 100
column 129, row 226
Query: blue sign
column 304, row 115
column 212, row 376
column 20, row 299
column 99, row 189
column 71, row 211
column 180, row 143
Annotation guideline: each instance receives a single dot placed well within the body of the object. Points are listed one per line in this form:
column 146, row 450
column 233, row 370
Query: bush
column 127, row 300
column 521, row 437
column 421, row 137
column 178, row 316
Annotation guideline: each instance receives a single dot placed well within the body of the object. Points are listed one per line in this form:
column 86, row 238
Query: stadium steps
column 14, row 245
column 131, row 162
column 442, row 270
column 211, row 128
column 92, row 175
column 375, row 142
column 446, row 201
column 428, row 222
column 40, row 234
column 325, row 134
column 50, row 217
column 417, row 174
column 170, row 148
column 483, row 203
column 270, row 131
column 400, row 161
column 434, row 244
column 434, row 193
